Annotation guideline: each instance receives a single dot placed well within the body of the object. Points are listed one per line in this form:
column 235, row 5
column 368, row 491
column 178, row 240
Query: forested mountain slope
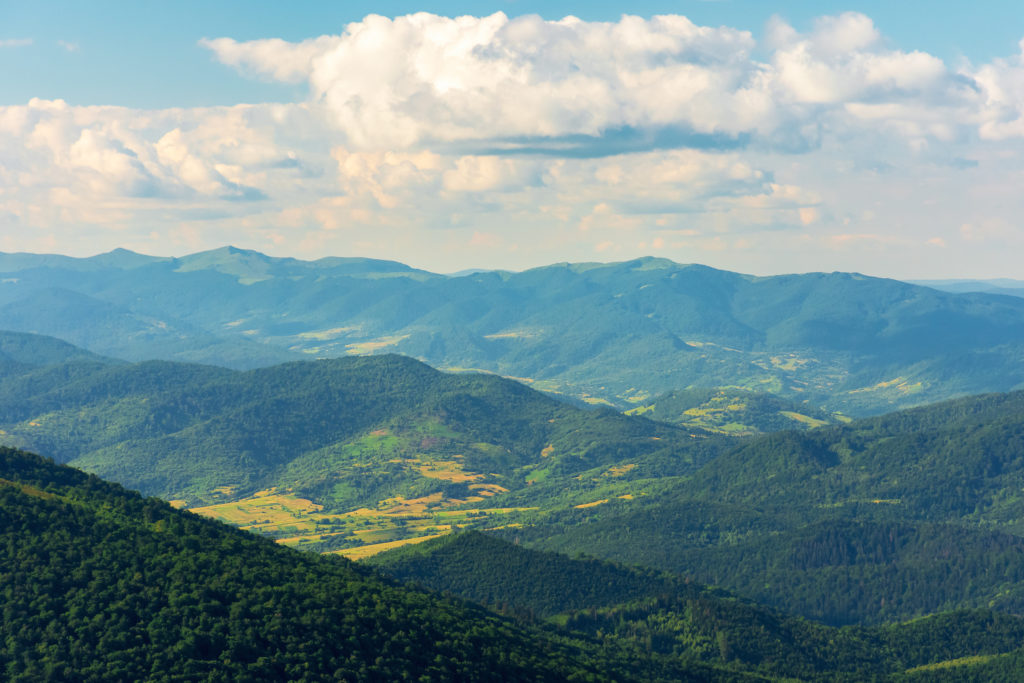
column 620, row 332
column 668, row 614
column 101, row 584
column 886, row 518
column 343, row 433
column 731, row 410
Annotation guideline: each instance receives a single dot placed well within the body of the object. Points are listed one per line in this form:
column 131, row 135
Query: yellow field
column 899, row 384
column 619, row 470
column 590, row 505
column 326, row 335
column 370, row 346
column 950, row 663
column 514, row 334
column 268, row 512
column 446, row 470
column 488, row 489
column 374, row 548
column 806, row 419
column 299, row 522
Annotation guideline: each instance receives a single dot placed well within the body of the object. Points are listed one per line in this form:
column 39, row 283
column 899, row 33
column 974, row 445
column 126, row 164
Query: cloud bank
column 513, row 141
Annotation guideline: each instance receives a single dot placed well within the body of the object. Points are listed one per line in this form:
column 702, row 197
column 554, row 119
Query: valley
column 511, row 342
column 773, row 511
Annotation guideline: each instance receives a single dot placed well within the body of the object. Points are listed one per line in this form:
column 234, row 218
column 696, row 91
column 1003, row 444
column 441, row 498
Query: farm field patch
column 295, row 521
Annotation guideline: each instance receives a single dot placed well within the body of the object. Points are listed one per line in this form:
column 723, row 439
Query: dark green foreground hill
column 100, row 584
column 884, row 519
column 667, row 614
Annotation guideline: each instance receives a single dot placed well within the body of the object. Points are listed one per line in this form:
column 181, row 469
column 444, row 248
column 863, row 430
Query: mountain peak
column 123, row 259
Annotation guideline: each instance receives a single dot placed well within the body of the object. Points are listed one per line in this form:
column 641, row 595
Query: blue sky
column 758, row 136
column 144, row 54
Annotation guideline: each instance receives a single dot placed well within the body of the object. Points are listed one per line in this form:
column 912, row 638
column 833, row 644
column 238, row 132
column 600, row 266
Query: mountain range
column 621, row 333
column 841, row 523
column 684, row 473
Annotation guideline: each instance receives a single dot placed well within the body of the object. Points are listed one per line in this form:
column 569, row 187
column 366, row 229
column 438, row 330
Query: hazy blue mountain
column 113, row 330
column 621, row 332
column 1006, row 286
column 33, row 350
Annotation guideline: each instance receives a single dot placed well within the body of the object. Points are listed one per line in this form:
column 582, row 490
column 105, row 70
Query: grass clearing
column 804, row 419
column 447, row 470
column 365, row 551
column 362, row 348
column 620, row 470
column 327, row 335
column 973, row 660
column 299, row 522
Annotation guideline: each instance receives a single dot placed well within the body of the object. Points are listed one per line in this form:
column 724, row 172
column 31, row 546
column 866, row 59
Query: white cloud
column 425, row 79
column 1001, row 86
column 15, row 42
column 571, row 86
column 427, row 137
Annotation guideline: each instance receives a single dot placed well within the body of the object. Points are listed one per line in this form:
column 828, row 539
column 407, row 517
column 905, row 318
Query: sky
column 758, row 136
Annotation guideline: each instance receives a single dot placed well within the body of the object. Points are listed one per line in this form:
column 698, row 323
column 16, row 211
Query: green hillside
column 885, row 518
column 842, row 523
column 670, row 615
column 618, row 332
column 183, row 430
column 730, row 410
column 101, row 584
column 341, row 453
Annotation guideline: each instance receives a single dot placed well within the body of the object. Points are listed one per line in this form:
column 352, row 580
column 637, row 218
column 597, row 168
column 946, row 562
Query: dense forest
column 181, row 431
column 825, row 540
column 885, row 518
column 672, row 615
column 101, row 584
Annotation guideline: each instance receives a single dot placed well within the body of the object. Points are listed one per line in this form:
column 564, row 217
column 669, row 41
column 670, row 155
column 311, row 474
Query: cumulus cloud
column 425, row 79
column 503, row 84
column 114, row 151
column 521, row 136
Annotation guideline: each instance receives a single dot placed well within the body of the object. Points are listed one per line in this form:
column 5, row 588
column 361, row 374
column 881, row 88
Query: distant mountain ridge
column 617, row 332
column 1006, row 286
